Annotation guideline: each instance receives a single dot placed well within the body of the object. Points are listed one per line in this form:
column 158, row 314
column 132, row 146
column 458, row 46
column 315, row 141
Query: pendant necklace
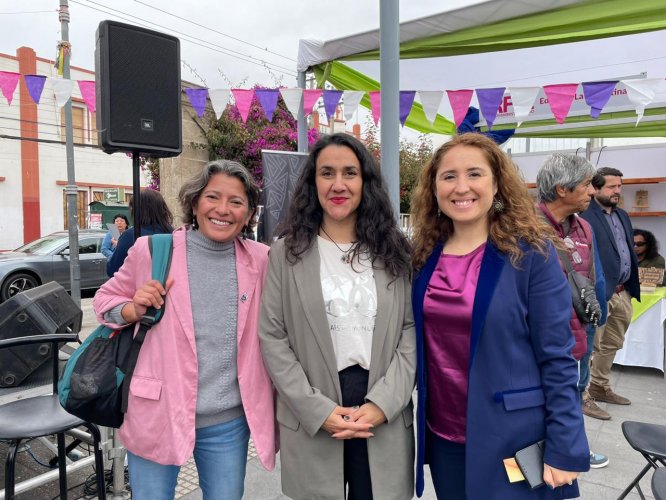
column 346, row 257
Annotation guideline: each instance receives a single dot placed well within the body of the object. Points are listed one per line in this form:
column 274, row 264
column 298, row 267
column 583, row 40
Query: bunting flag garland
column 35, row 85
column 560, row 97
column 331, row 100
column 219, row 99
column 352, row 98
column 502, row 105
column 489, row 103
column 641, row 92
column 243, row 101
column 197, row 98
column 431, row 100
column 523, row 99
column 310, row 97
column 88, row 93
column 376, row 105
column 62, row 88
column 406, row 102
column 292, row 99
column 597, row 95
column 268, row 99
column 8, row 82
column 459, row 100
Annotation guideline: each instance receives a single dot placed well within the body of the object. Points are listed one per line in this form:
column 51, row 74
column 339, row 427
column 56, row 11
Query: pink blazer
column 159, row 424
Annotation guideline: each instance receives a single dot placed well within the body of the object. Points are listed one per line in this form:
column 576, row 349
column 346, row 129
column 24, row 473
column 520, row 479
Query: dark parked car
column 47, row 259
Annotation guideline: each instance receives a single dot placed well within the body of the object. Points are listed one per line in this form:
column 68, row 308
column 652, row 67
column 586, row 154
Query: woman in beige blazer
column 337, row 333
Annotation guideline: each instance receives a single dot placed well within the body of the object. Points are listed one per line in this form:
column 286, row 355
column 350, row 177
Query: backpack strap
column 161, row 251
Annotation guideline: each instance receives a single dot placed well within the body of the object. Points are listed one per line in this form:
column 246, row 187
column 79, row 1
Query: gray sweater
column 211, row 268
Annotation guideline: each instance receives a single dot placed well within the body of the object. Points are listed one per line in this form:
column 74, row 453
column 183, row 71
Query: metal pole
column 302, row 124
column 70, row 189
column 389, row 70
column 136, row 194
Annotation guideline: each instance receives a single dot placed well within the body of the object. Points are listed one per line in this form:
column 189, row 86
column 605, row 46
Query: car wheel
column 17, row 283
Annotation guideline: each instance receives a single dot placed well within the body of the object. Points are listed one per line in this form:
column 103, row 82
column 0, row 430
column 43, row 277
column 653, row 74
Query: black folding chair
column 39, row 416
column 650, row 441
column 659, row 484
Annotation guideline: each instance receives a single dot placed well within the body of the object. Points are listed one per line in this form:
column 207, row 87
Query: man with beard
column 614, row 235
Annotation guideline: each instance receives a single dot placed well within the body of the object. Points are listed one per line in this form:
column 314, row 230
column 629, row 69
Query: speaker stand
column 136, row 193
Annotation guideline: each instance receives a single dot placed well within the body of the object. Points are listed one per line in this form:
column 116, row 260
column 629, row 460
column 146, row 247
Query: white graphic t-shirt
column 350, row 297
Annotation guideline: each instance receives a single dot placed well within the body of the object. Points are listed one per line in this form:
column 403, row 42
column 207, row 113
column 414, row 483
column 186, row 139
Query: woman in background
column 109, row 243
column 491, row 306
column 337, row 334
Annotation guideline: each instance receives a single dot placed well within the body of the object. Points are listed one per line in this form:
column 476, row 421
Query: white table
column 644, row 340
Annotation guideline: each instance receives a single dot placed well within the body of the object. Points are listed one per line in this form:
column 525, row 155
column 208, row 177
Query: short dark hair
column 377, row 230
column 121, row 216
column 599, row 179
column 651, row 245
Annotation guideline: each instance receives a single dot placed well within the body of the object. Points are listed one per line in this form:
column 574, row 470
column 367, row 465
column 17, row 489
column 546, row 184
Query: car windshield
column 42, row 246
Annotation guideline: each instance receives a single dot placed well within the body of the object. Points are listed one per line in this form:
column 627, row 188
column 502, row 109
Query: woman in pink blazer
column 200, row 386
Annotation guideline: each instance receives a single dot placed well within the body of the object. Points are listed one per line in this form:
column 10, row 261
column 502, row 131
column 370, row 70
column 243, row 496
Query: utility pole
column 70, row 189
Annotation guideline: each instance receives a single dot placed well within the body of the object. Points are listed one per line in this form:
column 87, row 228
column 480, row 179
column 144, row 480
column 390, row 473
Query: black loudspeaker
column 138, row 90
column 38, row 311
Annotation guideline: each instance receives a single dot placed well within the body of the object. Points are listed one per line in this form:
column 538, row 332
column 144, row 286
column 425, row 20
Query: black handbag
column 583, row 295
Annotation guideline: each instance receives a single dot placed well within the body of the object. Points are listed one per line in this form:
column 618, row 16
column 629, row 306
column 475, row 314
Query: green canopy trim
column 574, row 23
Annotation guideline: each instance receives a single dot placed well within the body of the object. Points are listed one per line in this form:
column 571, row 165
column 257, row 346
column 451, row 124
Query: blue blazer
column 522, row 376
column 608, row 253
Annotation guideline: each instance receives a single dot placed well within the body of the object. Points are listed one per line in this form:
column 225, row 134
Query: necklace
column 346, row 256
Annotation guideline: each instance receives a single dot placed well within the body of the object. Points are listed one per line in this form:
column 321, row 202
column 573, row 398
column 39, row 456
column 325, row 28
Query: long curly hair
column 377, row 231
column 651, row 244
column 518, row 223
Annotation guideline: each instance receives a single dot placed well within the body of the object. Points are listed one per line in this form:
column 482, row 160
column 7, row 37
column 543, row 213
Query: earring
column 497, row 206
column 195, row 223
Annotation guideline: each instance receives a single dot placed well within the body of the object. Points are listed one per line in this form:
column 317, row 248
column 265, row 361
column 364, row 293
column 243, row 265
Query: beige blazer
column 298, row 353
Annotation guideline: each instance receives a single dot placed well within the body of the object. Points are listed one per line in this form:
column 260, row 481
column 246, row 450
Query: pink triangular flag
column 560, row 97
column 35, row 84
column 292, row 99
column 219, row 99
column 243, row 99
column 459, row 100
column 8, row 82
column 310, row 97
column 62, row 88
column 522, row 100
column 87, row 88
column 641, row 92
column 268, row 99
column 376, row 103
column 489, row 103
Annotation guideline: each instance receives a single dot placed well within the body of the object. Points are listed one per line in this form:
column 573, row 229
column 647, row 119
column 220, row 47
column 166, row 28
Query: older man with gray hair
column 564, row 189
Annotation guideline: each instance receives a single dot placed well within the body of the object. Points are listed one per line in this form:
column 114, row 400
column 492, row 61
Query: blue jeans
column 584, row 377
column 220, row 452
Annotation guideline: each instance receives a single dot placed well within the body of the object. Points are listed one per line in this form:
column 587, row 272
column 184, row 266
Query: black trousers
column 354, row 387
column 447, row 467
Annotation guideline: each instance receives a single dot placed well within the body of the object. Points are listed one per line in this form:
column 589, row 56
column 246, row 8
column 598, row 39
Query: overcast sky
column 273, row 26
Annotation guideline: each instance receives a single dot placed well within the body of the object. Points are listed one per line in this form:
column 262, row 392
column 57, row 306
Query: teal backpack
column 95, row 383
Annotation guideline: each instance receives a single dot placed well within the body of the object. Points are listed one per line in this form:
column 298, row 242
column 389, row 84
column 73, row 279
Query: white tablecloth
column 644, row 340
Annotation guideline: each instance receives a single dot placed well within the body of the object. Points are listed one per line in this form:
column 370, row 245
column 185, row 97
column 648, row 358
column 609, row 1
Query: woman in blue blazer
column 492, row 309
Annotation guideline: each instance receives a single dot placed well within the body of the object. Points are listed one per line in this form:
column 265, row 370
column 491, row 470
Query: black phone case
column 530, row 461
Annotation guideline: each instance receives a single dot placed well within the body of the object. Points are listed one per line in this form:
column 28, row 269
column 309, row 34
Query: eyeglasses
column 575, row 256
column 640, row 243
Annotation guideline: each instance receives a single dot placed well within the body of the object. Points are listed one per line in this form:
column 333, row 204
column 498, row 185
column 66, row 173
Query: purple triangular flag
column 198, row 99
column 35, row 84
column 331, row 100
column 268, row 99
column 489, row 102
column 406, row 102
column 597, row 95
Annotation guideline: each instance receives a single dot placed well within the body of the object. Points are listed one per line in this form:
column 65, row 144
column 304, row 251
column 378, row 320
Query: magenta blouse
column 447, row 313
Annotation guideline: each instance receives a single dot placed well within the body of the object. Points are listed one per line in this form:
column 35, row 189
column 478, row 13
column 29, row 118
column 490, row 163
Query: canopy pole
column 302, row 125
column 389, row 50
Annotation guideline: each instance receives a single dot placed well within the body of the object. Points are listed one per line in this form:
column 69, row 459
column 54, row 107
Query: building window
column 81, row 209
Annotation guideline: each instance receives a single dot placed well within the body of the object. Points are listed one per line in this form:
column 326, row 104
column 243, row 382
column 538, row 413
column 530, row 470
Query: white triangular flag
column 641, row 92
column 62, row 87
column 430, row 100
column 219, row 98
column 522, row 99
column 292, row 98
column 351, row 100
